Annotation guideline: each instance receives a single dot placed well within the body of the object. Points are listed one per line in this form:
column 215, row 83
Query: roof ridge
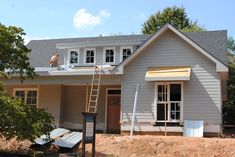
column 131, row 35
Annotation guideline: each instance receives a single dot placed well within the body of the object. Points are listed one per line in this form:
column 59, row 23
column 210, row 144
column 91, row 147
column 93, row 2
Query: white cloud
column 83, row 19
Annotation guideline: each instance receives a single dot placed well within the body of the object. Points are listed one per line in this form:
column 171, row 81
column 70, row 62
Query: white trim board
column 220, row 67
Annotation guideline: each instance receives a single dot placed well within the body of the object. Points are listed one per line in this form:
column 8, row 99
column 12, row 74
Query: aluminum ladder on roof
column 95, row 88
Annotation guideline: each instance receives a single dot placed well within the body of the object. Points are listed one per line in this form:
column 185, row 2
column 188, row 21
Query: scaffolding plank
column 69, row 140
column 58, row 132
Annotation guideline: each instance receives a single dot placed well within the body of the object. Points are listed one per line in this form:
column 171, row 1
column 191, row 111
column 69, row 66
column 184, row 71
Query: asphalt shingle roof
column 214, row 42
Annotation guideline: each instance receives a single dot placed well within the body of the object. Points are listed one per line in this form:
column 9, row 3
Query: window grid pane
column 73, row 57
column 126, row 53
column 20, row 94
column 175, row 110
column 31, row 97
column 109, row 55
column 90, row 54
column 162, row 93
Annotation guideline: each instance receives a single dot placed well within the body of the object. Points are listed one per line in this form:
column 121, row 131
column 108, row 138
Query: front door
column 113, row 110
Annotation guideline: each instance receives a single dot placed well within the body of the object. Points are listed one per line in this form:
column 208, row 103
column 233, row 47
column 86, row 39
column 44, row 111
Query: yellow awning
column 168, row 74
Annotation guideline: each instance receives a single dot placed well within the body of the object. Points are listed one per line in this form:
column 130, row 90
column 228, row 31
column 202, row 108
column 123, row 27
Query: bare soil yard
column 147, row 146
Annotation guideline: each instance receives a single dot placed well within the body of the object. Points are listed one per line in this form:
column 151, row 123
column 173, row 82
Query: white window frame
column 25, row 90
column 104, row 54
column 121, row 51
column 85, row 54
column 168, row 101
column 69, row 56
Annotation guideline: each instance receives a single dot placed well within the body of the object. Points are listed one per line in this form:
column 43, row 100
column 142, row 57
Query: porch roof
column 168, row 74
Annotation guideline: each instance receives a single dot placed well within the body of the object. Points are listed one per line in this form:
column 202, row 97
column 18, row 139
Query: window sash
column 126, row 52
column 109, row 55
column 73, row 57
column 174, row 114
column 28, row 96
column 90, row 55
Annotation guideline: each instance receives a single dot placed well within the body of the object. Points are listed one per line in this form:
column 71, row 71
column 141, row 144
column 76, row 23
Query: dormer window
column 73, row 57
column 89, row 55
column 109, row 55
column 125, row 52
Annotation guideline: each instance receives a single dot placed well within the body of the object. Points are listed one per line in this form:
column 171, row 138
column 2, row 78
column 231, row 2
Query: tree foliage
column 13, row 53
column 229, row 107
column 16, row 118
column 231, row 46
column 176, row 16
column 22, row 121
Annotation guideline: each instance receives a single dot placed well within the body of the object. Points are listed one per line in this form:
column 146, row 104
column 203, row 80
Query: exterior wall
column 67, row 102
column 49, row 97
column 74, row 104
column 201, row 99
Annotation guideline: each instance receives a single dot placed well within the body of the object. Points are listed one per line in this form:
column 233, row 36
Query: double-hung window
column 89, row 56
column 73, row 57
column 28, row 96
column 109, row 55
column 125, row 52
column 169, row 102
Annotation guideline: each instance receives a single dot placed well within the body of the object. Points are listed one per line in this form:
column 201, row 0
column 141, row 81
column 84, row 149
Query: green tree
column 16, row 118
column 231, row 46
column 176, row 16
column 229, row 107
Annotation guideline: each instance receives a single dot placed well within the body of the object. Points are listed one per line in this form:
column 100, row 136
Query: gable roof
column 211, row 49
column 213, row 42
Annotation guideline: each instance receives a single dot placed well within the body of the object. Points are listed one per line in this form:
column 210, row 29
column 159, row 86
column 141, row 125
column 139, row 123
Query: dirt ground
column 147, row 146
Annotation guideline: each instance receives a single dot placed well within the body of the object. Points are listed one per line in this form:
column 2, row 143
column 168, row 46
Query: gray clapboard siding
column 74, row 104
column 201, row 93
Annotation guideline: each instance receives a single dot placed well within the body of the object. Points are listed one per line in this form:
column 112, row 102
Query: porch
column 66, row 102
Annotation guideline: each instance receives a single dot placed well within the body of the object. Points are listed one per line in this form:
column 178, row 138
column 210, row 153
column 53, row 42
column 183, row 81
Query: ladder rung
column 94, row 95
column 93, row 101
column 92, row 106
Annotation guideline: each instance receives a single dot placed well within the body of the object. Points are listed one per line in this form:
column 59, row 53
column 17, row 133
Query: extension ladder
column 95, row 88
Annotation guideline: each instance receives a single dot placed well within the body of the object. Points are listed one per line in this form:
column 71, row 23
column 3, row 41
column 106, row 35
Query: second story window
column 125, row 52
column 73, row 57
column 89, row 56
column 109, row 55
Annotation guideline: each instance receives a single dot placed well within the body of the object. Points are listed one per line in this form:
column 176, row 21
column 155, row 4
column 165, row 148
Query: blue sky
column 81, row 18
